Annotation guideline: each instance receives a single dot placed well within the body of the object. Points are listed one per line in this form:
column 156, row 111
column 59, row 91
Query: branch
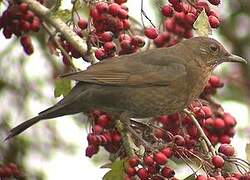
column 203, row 135
column 77, row 42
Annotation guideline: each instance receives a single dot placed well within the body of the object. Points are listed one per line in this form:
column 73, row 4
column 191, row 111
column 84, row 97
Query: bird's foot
column 125, row 118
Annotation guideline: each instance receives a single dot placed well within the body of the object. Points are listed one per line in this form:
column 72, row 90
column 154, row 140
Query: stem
column 77, row 42
column 64, row 52
column 126, row 139
column 203, row 135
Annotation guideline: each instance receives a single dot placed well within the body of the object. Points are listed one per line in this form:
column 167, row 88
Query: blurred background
column 55, row 149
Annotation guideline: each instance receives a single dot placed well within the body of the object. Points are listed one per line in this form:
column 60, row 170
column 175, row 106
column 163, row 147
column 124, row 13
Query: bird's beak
column 234, row 58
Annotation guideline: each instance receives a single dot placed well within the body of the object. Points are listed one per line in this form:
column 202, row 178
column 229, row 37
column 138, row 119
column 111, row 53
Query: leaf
column 62, row 87
column 190, row 177
column 201, row 25
column 116, row 172
column 65, row 14
column 248, row 151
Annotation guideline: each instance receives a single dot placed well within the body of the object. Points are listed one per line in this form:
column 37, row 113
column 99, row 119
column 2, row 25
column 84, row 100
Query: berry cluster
column 110, row 21
column 102, row 134
column 151, row 166
column 17, row 19
column 179, row 19
column 10, row 171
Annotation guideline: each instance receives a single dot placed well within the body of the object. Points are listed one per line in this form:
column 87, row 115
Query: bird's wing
column 133, row 70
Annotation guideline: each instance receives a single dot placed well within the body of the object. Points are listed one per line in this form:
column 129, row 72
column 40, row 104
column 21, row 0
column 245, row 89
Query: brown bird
column 145, row 84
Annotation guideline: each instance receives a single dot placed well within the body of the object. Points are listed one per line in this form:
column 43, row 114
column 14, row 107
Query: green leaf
column 190, row 177
column 62, row 87
column 116, row 172
column 201, row 25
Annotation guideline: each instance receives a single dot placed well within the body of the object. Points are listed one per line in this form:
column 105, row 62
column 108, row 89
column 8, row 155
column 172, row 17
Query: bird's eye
column 213, row 47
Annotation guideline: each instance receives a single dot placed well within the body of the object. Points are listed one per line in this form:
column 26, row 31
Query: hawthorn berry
column 226, row 149
column 167, row 172
column 213, row 21
column 148, row 160
column 218, row 161
column 143, row 174
column 160, row 158
column 130, row 171
column 214, row 2
column 133, row 161
column 167, row 11
column 151, row 32
column 82, row 23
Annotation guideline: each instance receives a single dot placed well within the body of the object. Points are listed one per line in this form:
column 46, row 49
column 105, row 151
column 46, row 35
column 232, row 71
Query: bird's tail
column 23, row 126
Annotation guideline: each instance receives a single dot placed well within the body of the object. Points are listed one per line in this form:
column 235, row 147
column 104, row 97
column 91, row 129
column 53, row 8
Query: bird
column 150, row 83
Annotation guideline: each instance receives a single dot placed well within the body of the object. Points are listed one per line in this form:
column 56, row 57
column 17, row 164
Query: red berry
column 167, row 152
column 103, row 120
column 116, row 138
column 35, row 25
column 91, row 150
column 218, row 123
column 229, row 120
column 133, row 161
column 120, row 1
column 153, row 169
column 207, row 110
column 100, row 54
column 160, row 158
column 224, row 139
column 148, row 160
column 126, row 45
column 109, row 47
column 123, row 14
column 131, row 171
column 201, row 177
column 162, row 39
column 7, row 32
column 82, row 23
column 138, row 41
column 179, row 140
column 169, row 25
column 124, row 37
column 151, row 33
column 126, row 24
column 190, row 18
column 23, row 7
column 143, row 174
column 213, row 21
column 215, row 81
column 167, row 172
column 114, row 9
column 102, row 7
column 106, row 36
column 97, row 129
column 218, row 161
column 167, row 11
column 226, row 149
column 214, row 2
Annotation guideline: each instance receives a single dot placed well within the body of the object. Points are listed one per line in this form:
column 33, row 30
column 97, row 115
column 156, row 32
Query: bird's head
column 212, row 52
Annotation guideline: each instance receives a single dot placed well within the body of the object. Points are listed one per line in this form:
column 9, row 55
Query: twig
column 63, row 51
column 203, row 135
column 145, row 15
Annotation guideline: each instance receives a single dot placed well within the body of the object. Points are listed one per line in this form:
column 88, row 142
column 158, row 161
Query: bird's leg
column 125, row 118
